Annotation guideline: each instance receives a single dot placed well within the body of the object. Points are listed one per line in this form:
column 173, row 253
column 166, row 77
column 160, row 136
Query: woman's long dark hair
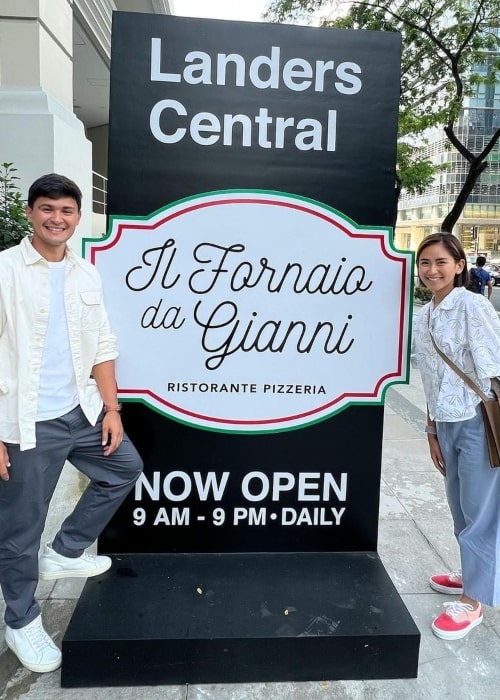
column 454, row 248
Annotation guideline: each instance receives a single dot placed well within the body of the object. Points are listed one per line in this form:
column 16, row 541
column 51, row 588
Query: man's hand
column 436, row 454
column 112, row 432
column 4, row 463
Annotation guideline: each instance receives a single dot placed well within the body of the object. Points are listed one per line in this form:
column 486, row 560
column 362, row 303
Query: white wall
column 38, row 131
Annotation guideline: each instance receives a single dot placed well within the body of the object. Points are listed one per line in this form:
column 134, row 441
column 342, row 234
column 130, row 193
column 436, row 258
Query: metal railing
column 99, row 193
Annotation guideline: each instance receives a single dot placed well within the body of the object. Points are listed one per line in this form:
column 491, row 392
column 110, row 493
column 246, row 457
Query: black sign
column 284, row 114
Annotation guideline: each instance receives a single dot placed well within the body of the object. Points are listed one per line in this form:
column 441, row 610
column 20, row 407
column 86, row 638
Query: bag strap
column 453, row 366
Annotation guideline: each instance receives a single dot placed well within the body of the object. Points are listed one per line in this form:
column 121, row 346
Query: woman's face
column 437, row 269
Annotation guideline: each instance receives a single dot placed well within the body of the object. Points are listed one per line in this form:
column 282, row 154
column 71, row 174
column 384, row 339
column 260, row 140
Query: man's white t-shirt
column 57, row 392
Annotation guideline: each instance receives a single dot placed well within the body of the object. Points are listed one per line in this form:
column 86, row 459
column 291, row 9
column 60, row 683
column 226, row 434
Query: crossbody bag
column 490, row 407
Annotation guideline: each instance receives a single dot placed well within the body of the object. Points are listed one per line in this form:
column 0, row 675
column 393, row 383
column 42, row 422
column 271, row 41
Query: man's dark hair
column 54, row 186
column 480, row 260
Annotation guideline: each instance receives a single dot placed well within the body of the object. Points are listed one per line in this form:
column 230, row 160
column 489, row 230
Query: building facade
column 479, row 225
column 54, row 92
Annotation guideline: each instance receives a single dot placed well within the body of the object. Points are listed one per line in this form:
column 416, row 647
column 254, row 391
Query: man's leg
column 111, row 479
column 24, row 501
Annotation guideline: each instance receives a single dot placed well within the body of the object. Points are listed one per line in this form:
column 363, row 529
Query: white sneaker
column 53, row 565
column 33, row 647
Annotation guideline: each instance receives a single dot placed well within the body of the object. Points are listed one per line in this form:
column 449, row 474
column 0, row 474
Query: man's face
column 54, row 222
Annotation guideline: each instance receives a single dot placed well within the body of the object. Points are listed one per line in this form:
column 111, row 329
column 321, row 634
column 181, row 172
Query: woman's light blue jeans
column 473, row 493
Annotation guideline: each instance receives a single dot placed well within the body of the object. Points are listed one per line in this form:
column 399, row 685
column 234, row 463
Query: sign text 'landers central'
column 168, row 121
column 259, row 294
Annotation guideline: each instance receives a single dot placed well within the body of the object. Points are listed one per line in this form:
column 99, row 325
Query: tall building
column 479, row 225
column 54, row 92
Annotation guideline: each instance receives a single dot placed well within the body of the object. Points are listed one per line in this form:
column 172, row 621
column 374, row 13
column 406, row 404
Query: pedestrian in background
column 479, row 279
column 465, row 327
column 58, row 401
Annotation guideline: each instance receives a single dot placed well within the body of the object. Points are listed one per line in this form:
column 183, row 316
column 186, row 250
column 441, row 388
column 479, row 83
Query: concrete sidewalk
column 415, row 541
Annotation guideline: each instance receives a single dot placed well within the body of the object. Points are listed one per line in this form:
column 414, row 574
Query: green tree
column 13, row 223
column 446, row 45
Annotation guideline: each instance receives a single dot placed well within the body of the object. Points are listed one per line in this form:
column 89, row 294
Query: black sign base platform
column 233, row 618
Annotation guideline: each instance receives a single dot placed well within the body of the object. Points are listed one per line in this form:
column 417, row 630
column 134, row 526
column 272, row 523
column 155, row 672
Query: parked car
column 494, row 271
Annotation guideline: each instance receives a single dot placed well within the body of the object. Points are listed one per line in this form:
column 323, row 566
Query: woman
column 465, row 327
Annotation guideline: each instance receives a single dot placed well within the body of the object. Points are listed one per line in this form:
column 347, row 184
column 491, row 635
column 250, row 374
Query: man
column 479, row 278
column 58, row 401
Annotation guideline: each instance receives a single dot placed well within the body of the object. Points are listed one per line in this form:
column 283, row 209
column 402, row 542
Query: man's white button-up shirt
column 24, row 305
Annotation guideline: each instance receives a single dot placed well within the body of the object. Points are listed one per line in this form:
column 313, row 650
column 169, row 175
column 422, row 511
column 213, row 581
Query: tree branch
column 468, row 155
column 475, row 171
column 489, row 146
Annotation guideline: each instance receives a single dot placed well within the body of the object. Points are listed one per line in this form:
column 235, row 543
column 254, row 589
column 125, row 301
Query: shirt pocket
column 90, row 310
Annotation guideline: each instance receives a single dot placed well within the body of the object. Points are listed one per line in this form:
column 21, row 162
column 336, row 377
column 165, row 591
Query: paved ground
column 415, row 540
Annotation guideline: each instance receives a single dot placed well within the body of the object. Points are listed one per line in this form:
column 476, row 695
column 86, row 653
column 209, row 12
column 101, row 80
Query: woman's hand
column 436, row 454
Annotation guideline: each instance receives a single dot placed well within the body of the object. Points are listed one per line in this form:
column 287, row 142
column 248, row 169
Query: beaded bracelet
column 117, row 408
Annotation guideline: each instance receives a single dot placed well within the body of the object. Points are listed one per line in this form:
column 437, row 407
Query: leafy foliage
column 414, row 171
column 13, row 223
column 445, row 44
column 422, row 294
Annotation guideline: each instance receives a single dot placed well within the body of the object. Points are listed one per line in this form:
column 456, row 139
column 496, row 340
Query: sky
column 247, row 10
column 250, row 10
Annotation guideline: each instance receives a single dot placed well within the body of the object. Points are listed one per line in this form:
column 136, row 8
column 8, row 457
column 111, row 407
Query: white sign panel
column 254, row 311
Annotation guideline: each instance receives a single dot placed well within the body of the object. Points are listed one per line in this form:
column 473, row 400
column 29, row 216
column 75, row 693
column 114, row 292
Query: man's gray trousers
column 25, row 498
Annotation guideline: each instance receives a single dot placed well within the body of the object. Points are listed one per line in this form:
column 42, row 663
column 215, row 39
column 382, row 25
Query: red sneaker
column 457, row 620
column 448, row 583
